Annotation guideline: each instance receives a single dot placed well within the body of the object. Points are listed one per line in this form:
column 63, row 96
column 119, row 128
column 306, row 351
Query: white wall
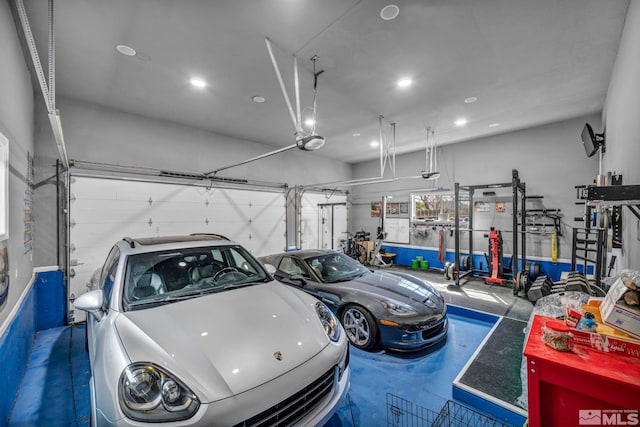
column 550, row 160
column 622, row 125
column 16, row 123
column 97, row 134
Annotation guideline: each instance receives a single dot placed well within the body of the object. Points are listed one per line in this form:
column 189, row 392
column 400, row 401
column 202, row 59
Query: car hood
column 401, row 288
column 223, row 344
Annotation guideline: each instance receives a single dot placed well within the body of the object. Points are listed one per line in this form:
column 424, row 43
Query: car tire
column 360, row 326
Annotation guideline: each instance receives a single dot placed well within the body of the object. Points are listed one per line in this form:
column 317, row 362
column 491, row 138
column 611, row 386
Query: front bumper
column 243, row 406
column 405, row 338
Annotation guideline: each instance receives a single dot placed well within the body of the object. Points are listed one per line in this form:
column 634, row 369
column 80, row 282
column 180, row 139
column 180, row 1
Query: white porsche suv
column 192, row 330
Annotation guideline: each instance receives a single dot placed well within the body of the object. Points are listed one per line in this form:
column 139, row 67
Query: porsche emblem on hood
column 277, row 355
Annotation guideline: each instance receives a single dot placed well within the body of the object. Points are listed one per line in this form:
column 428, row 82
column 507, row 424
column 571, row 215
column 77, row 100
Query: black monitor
column 591, row 141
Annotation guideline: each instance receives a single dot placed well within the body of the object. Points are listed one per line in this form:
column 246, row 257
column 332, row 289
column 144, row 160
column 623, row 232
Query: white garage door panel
column 104, row 211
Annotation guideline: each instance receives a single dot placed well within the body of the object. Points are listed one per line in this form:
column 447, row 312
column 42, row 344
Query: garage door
column 103, row 211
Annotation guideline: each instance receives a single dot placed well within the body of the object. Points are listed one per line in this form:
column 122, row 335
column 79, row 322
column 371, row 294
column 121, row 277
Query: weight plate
column 452, row 271
column 446, row 271
column 465, row 263
column 516, row 284
column 525, row 283
column 536, row 270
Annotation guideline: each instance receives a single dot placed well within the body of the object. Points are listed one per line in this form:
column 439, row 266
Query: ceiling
column 528, row 62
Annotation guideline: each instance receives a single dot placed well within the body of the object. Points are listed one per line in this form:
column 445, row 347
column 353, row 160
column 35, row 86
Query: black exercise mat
column 496, row 369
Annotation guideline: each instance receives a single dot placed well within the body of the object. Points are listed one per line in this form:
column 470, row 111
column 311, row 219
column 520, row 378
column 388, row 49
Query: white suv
column 192, row 330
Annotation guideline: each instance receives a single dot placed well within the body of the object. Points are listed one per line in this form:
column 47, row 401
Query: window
column 239, row 261
column 4, row 187
column 291, row 267
column 437, row 207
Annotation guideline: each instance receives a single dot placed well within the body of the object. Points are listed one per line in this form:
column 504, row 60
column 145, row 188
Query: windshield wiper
column 171, row 298
column 237, row 285
column 162, row 300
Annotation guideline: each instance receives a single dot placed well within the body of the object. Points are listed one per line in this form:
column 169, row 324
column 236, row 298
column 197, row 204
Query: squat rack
column 519, row 200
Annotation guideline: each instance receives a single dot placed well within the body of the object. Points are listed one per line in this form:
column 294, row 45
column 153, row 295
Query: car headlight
column 147, row 393
column 329, row 321
column 398, row 308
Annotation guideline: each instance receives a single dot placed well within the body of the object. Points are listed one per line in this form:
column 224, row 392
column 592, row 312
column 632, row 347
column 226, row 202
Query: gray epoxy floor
column 475, row 294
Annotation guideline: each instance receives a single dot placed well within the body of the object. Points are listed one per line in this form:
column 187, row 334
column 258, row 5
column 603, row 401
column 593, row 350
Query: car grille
column 434, row 331
column 295, row 407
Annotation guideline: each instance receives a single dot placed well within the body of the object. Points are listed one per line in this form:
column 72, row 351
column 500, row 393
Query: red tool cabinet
column 585, row 387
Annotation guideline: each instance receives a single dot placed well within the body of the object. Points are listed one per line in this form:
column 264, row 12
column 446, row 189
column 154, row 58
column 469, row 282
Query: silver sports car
column 395, row 310
column 193, row 330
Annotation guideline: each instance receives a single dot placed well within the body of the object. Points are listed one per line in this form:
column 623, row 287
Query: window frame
column 4, row 187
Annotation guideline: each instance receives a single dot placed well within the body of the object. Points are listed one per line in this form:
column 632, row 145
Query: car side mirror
column 298, row 278
column 92, row 302
column 270, row 269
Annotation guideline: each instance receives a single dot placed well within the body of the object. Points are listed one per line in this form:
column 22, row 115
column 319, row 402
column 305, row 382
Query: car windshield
column 156, row 278
column 336, row 267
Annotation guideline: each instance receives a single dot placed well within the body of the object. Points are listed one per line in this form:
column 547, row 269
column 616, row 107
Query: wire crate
column 403, row 413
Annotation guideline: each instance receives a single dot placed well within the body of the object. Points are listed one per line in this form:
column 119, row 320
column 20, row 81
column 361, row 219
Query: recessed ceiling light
column 460, row 122
column 258, row 99
column 404, row 82
column 389, row 12
column 470, row 100
column 374, row 143
column 309, row 122
column 126, row 50
column 494, row 125
column 356, row 134
column 199, row 83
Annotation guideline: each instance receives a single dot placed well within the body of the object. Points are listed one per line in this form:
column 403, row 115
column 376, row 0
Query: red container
column 582, row 387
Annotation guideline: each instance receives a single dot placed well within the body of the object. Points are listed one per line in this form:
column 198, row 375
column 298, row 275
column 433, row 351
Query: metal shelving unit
column 589, row 244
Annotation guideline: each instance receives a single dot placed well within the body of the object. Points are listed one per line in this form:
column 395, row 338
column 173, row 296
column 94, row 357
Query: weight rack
column 519, row 200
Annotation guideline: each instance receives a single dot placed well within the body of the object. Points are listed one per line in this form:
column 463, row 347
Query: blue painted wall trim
column 15, row 347
column 50, row 300
column 44, row 296
column 494, row 410
column 404, row 255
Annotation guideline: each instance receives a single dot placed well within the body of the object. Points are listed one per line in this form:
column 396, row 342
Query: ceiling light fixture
column 389, row 12
column 310, row 143
column 258, row 99
column 310, row 122
column 197, row 82
column 494, row 125
column 404, row 82
column 306, row 141
column 374, row 144
column 461, row 122
column 470, row 100
column 126, row 50
column 356, row 134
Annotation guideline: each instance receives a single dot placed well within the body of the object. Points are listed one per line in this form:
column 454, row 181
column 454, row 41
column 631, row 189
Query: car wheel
column 360, row 326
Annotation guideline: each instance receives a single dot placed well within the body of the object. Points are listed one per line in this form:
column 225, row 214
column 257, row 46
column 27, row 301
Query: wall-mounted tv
column 591, row 141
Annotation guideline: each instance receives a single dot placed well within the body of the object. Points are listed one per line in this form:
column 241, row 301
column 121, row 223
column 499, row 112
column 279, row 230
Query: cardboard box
column 617, row 314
